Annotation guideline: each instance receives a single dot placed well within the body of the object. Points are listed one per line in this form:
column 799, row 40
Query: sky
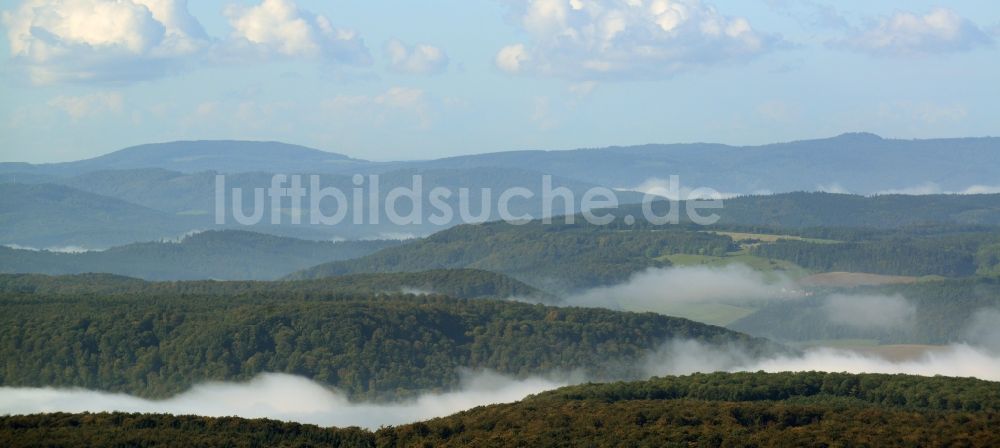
column 401, row 80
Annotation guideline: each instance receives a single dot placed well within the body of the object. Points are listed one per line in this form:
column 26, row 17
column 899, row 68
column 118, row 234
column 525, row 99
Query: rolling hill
column 859, row 163
column 214, row 254
column 228, row 156
column 457, row 283
column 160, row 342
column 45, row 215
column 556, row 258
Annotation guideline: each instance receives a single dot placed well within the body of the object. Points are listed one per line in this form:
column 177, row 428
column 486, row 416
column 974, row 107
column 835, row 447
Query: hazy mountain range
column 860, row 163
column 156, row 191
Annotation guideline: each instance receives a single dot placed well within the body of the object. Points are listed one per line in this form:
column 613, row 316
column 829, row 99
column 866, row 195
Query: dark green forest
column 900, row 235
column 555, row 257
column 718, row 409
column 562, row 258
column 457, row 283
column 160, row 342
column 953, row 256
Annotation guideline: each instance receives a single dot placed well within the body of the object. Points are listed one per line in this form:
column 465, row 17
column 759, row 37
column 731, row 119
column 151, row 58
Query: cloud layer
column 615, row 39
column 279, row 27
column 281, row 397
column 109, row 41
column 292, row 398
column 958, row 360
column 869, row 311
column 420, row 59
column 657, row 290
column 934, row 188
column 941, row 30
column 100, row 40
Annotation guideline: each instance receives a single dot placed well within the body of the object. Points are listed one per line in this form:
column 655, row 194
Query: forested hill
column 553, row 257
column 204, row 155
column 457, row 283
column 44, row 215
column 384, row 346
column 841, row 210
column 858, row 162
column 719, row 409
column 218, row 254
column 802, row 209
column 561, row 257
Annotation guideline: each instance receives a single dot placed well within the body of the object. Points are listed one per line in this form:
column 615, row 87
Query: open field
column 870, row 347
column 754, row 262
column 710, row 313
column 850, row 279
column 769, row 238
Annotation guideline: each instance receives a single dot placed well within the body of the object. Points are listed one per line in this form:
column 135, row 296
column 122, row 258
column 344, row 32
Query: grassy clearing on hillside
column 710, row 313
column 769, row 238
column 871, row 348
column 753, row 262
column 851, row 279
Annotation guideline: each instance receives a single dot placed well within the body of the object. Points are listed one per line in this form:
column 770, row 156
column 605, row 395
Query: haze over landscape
column 499, row 222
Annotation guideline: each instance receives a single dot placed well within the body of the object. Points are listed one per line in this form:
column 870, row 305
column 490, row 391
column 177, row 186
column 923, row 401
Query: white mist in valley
column 284, row 397
column 292, row 398
column 984, row 329
column 957, row 360
column 870, row 311
column 660, row 289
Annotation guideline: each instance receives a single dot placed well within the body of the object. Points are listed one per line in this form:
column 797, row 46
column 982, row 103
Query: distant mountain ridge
column 227, row 156
column 163, row 190
column 167, row 203
column 856, row 162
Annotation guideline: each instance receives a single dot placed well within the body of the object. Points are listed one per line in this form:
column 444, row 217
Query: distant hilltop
column 861, row 163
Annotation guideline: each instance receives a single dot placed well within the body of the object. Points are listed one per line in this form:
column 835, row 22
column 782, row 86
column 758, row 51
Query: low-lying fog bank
column 292, row 398
column 282, row 397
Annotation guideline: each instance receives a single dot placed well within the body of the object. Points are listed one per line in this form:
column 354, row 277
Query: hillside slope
column 214, row 254
column 161, row 342
column 457, row 283
column 229, row 156
column 554, row 257
column 44, row 215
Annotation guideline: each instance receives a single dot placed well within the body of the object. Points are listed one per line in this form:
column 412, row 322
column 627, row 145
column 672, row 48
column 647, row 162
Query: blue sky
column 386, row 80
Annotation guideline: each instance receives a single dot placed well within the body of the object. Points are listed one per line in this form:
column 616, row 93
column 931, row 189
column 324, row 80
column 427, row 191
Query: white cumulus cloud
column 941, row 30
column 420, row 59
column 510, row 58
column 101, row 40
column 609, row 39
column 279, row 27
